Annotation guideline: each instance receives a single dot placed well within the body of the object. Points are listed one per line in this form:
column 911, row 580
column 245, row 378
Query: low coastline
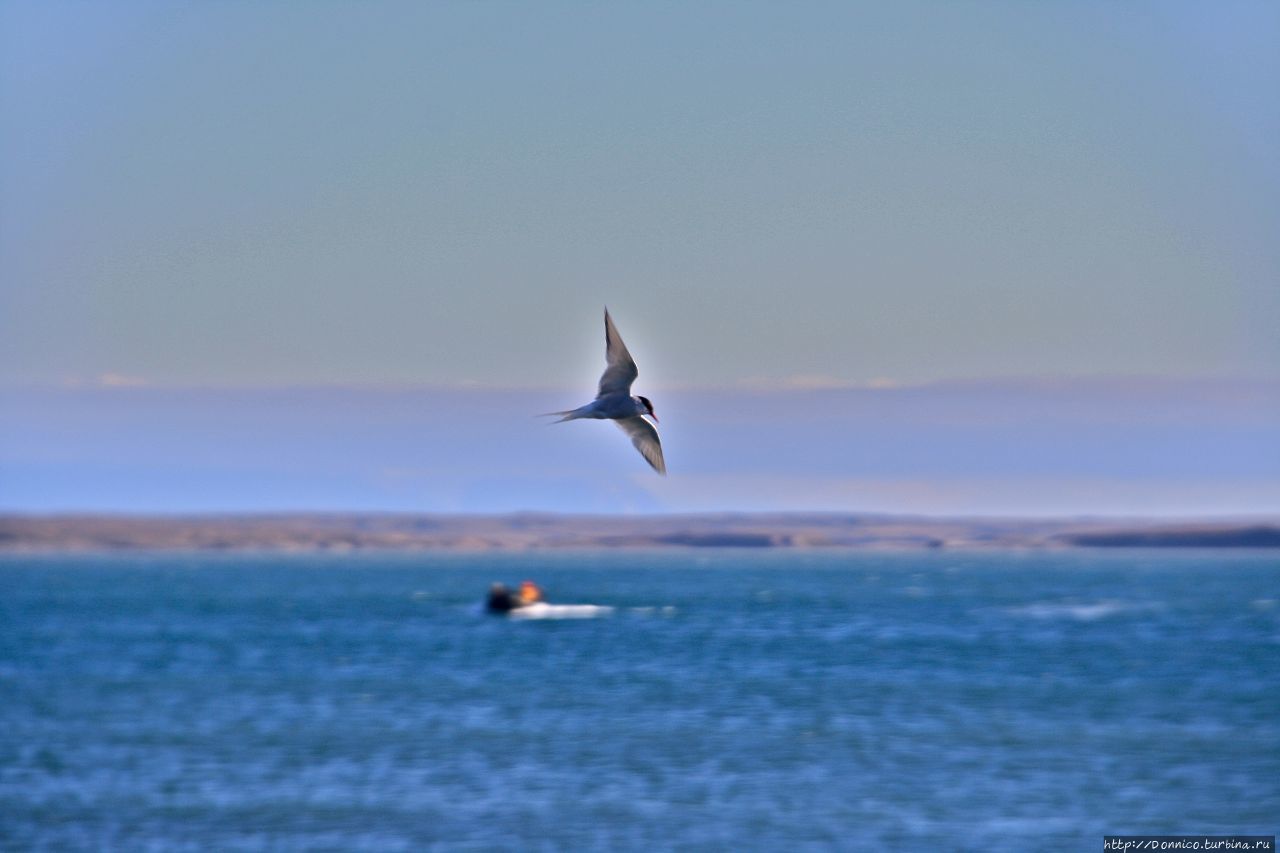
column 307, row 532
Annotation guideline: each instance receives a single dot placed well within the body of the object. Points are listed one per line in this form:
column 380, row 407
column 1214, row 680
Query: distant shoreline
column 339, row 532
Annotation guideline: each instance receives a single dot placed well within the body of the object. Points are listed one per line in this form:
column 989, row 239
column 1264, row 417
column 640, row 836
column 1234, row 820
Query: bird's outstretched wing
column 620, row 370
column 645, row 439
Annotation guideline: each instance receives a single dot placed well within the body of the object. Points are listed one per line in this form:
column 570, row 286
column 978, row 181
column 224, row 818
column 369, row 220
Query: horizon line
column 1137, row 517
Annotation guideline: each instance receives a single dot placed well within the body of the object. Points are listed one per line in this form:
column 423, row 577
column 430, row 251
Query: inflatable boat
column 505, row 602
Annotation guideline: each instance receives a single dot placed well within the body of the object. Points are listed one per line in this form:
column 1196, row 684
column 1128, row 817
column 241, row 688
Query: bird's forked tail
column 566, row 415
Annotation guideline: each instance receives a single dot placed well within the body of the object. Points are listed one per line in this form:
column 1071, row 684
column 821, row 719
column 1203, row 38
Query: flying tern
column 614, row 402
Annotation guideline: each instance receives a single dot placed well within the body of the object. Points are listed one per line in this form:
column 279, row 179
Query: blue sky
column 770, row 197
column 1092, row 447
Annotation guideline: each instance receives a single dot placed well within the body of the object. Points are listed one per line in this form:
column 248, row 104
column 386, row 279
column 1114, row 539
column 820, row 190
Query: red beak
column 655, row 417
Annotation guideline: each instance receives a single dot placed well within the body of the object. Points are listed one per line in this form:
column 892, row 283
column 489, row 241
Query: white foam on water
column 1080, row 612
column 667, row 610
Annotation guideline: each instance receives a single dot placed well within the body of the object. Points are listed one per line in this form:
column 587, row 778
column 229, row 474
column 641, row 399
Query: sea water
column 728, row 700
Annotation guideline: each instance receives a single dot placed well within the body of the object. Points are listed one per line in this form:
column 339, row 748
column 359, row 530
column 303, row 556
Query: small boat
column 545, row 610
column 505, row 602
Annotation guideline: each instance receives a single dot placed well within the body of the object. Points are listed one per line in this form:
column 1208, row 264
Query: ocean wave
column 1078, row 611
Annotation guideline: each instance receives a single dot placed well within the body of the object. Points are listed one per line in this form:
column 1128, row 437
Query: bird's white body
column 614, row 401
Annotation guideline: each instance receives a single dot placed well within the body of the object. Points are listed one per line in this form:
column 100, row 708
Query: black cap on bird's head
column 647, row 405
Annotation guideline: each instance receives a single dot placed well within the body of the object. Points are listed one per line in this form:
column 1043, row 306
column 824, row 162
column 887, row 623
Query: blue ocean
column 729, row 700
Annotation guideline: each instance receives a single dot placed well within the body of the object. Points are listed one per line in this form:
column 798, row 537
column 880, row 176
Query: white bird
column 614, row 402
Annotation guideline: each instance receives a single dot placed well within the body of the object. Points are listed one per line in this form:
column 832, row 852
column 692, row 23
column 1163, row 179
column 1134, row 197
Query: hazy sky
column 242, row 193
column 1172, row 447
column 926, row 257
